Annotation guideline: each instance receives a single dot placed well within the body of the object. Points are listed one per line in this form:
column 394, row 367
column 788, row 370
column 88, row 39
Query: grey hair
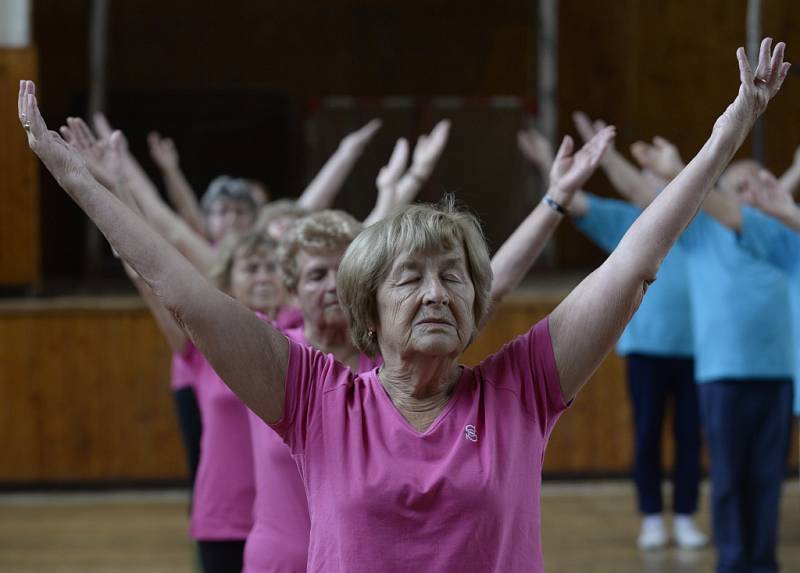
column 226, row 187
column 416, row 228
column 320, row 232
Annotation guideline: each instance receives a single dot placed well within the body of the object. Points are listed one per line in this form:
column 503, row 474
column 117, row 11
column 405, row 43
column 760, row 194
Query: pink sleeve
column 184, row 367
column 308, row 373
column 527, row 366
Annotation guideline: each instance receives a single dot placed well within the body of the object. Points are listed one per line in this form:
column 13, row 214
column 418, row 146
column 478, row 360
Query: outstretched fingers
column 762, row 73
column 34, row 121
column 745, row 71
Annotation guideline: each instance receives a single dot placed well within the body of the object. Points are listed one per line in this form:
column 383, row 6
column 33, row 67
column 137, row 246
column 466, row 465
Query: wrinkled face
column 316, row 289
column 226, row 215
column 256, row 282
column 425, row 305
column 739, row 177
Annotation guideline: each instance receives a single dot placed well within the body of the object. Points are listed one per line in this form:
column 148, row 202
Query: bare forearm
column 250, row 356
column 323, row 189
column 174, row 335
column 183, row 197
column 518, row 254
column 649, row 239
column 627, row 179
column 724, row 208
column 586, row 325
column 192, row 245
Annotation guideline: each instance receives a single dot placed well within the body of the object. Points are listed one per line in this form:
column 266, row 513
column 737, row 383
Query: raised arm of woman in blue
column 588, row 322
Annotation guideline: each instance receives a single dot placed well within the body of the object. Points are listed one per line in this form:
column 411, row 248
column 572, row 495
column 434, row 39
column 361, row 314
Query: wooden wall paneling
column 20, row 260
column 88, row 398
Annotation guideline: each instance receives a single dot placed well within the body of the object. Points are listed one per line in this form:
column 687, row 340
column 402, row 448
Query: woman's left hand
column 570, row 171
column 62, row 160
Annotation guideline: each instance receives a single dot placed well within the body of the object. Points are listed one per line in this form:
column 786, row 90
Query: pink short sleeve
column 527, row 366
column 309, row 373
column 184, row 368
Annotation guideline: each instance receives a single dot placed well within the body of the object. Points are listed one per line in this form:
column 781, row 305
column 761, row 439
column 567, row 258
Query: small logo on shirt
column 470, row 433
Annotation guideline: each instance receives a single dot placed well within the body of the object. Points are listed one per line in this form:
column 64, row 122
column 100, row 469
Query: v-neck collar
column 451, row 402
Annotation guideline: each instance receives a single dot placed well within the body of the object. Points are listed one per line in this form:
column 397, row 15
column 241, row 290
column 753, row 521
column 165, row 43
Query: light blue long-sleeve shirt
column 740, row 307
column 662, row 324
column 772, row 241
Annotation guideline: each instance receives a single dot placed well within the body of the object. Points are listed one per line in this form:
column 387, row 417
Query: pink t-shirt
column 289, row 317
column 182, row 372
column 461, row 496
column 222, row 504
column 278, row 542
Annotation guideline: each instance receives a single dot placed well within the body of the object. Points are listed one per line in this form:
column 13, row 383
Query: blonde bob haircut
column 416, row 228
column 239, row 245
column 319, row 233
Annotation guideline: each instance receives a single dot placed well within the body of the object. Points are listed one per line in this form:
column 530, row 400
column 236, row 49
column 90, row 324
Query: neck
column 333, row 339
column 420, row 387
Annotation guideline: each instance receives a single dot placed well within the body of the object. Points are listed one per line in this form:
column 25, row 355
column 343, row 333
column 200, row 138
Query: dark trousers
column 747, row 425
column 221, row 556
column 653, row 381
column 191, row 427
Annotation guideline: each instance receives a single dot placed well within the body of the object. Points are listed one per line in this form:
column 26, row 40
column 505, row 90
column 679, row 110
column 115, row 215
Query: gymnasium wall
column 86, row 397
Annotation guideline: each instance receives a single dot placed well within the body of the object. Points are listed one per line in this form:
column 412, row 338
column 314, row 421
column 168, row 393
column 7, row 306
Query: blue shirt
column 770, row 240
column 740, row 307
column 662, row 324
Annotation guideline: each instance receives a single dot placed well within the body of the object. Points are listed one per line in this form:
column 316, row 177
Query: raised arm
column 176, row 230
column 249, row 355
column 568, row 172
column 426, row 155
column 628, row 180
column 386, row 182
column 585, row 326
column 180, row 192
column 664, row 159
column 323, row 189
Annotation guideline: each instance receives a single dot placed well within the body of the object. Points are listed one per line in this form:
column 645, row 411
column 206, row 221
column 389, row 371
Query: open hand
column 661, row 157
column 390, row 173
column 756, row 89
column 766, row 194
column 61, row 159
column 356, row 142
column 163, row 151
column 570, row 171
column 429, row 148
column 94, row 151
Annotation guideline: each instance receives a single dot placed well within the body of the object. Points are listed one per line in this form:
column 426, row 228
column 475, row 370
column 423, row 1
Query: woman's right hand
column 756, row 89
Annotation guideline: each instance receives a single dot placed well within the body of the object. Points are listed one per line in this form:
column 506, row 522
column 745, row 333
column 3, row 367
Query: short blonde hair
column 318, row 233
column 242, row 245
column 278, row 209
column 416, row 228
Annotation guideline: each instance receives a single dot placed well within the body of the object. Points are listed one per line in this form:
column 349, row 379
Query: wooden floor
column 589, row 527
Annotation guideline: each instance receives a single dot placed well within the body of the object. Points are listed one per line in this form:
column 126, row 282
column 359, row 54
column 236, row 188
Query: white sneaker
column 653, row 534
column 686, row 533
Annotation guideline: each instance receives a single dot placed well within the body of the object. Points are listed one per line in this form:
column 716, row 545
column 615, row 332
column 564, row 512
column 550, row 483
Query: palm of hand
column 430, row 147
column 756, row 89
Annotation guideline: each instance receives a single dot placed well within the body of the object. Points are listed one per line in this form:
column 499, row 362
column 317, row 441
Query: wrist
column 555, row 205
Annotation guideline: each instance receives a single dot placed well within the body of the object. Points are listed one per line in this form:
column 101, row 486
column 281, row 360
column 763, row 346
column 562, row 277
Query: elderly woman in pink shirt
column 423, row 464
